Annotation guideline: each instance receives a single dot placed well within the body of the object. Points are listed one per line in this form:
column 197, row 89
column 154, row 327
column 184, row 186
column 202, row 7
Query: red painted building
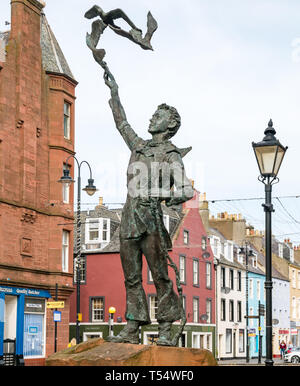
column 103, row 287
column 37, row 96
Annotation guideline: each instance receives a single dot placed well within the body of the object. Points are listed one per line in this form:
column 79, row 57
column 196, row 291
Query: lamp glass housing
column 269, row 158
column 90, row 189
column 66, row 179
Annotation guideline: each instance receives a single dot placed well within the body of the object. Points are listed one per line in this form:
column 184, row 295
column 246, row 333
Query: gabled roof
column 52, row 56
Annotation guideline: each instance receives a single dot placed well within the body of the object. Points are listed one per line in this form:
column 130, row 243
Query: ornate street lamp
column 269, row 155
column 90, row 189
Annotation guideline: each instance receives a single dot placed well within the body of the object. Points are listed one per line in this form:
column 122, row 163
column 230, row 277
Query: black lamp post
column 246, row 252
column 90, row 190
column 269, row 155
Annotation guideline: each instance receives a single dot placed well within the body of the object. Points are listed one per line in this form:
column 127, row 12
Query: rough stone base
column 98, row 352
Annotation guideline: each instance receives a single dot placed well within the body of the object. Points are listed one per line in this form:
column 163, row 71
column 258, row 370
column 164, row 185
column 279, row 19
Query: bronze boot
column 129, row 334
column 164, row 334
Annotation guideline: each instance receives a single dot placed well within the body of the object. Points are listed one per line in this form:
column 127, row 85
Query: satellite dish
column 275, row 321
column 225, row 290
column 204, row 317
column 206, row 255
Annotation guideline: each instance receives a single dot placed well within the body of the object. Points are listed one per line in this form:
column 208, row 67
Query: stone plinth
column 98, row 352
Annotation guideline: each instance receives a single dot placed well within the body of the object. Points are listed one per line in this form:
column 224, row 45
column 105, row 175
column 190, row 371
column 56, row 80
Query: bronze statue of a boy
column 142, row 230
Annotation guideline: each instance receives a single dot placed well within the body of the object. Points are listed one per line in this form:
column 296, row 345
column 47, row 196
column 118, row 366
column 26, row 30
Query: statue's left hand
column 110, row 80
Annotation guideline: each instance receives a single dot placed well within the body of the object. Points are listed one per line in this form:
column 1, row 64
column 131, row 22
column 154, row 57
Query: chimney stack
column 204, row 210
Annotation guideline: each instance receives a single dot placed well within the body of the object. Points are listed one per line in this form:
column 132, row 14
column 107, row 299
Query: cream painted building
column 230, row 299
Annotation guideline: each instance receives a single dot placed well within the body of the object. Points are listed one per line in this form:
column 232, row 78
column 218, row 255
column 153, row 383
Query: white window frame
column 208, row 279
column 98, row 223
column 196, row 272
column 258, row 289
column 228, row 343
column 67, row 120
column 205, row 337
column 87, row 334
column 180, row 340
column 152, row 307
column 254, row 261
column 182, row 268
column 65, row 250
column 229, row 250
column 195, row 310
column 96, row 298
column 186, row 236
column 241, row 339
column 208, row 307
column 216, row 246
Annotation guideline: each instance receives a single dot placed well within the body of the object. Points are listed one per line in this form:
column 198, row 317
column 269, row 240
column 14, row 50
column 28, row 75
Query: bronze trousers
column 131, row 252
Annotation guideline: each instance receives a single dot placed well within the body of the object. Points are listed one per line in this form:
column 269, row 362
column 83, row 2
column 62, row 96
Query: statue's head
column 165, row 120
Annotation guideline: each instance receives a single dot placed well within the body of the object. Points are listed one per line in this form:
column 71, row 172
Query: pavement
column 253, row 362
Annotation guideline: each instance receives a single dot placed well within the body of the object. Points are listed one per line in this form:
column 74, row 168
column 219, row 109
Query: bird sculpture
column 107, row 19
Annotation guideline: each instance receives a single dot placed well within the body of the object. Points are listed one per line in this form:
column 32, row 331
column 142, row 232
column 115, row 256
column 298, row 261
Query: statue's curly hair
column 174, row 115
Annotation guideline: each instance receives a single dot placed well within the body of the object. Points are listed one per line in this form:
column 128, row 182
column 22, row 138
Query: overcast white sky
column 228, row 66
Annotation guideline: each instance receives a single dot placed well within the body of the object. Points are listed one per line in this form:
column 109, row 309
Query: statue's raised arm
column 128, row 134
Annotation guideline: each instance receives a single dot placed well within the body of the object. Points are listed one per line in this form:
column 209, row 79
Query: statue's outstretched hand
column 109, row 78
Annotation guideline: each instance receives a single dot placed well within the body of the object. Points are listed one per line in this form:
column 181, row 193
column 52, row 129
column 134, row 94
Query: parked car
column 291, row 349
column 293, row 356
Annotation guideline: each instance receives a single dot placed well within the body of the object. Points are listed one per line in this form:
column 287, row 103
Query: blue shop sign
column 24, row 291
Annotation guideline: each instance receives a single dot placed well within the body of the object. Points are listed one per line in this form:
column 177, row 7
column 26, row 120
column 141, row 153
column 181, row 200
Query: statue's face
column 160, row 121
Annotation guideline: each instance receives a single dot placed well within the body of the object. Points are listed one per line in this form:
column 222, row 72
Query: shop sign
column 252, row 332
column 294, row 331
column 24, row 291
column 283, row 332
column 34, row 305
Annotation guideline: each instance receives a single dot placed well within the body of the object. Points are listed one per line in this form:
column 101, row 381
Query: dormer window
column 254, row 261
column 204, row 243
column 229, row 251
column 97, row 231
column 185, row 237
column 215, row 246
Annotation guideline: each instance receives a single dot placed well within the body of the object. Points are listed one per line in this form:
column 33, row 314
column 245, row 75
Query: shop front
column 22, row 324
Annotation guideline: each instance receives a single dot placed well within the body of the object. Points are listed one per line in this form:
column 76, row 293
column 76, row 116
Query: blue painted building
column 256, row 326
column 23, row 320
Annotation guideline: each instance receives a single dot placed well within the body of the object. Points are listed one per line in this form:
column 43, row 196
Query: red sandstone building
column 102, row 280
column 37, row 95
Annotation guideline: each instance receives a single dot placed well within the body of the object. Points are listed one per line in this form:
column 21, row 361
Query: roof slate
column 52, row 56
